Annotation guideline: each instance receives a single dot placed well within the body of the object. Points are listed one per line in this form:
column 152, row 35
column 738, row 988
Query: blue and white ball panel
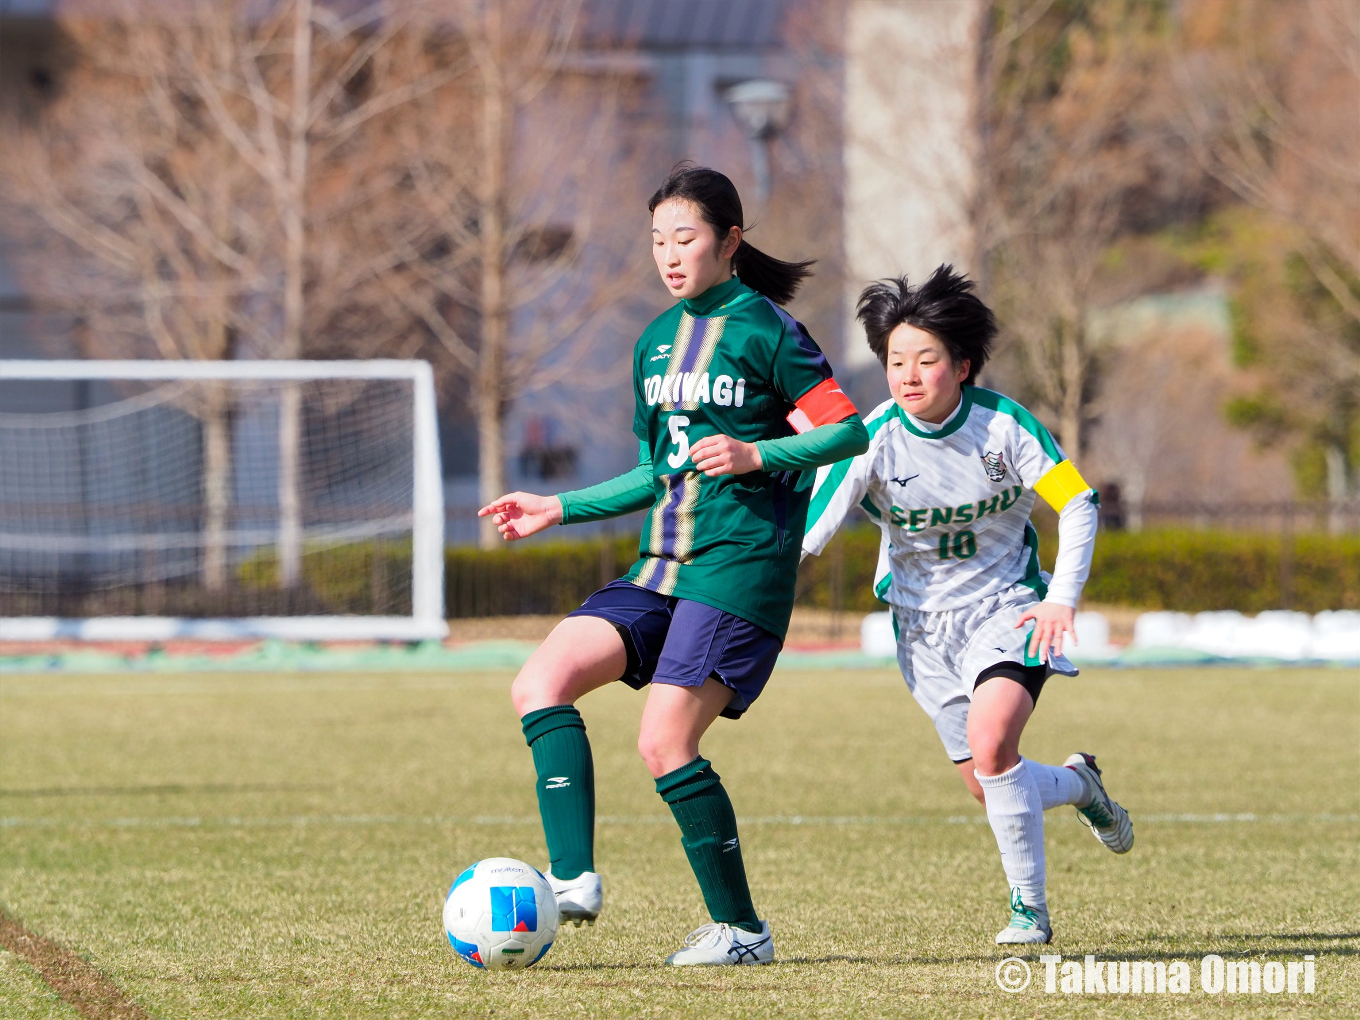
column 501, row 914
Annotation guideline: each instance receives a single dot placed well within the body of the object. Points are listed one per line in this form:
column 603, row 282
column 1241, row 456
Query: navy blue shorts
column 679, row 641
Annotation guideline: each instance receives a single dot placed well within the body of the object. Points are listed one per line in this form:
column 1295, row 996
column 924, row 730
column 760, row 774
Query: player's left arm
column 1062, row 487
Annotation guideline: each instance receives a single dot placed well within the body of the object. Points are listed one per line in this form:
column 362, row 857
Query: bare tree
column 197, row 178
column 1072, row 133
column 1270, row 103
column 142, row 222
column 518, row 259
column 302, row 120
column 804, row 217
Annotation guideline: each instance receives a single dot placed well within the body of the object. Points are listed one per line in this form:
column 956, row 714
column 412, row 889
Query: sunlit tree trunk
column 1073, row 367
column 1337, row 488
column 495, row 316
column 294, row 232
column 216, row 424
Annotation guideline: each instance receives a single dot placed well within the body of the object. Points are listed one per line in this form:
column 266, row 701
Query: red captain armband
column 824, row 404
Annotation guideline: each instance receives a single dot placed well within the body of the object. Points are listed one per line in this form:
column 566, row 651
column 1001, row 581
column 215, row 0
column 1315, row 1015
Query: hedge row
column 1166, row 569
column 1182, row 570
column 1192, row 571
column 532, row 577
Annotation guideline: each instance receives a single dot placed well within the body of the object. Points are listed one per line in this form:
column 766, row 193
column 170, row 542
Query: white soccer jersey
column 953, row 504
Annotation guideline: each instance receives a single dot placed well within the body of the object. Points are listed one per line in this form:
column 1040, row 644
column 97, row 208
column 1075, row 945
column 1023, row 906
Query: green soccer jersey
column 729, row 362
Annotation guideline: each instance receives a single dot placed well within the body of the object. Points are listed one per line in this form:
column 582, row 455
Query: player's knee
column 523, row 695
column 533, row 689
column 661, row 752
column 653, row 750
column 989, row 753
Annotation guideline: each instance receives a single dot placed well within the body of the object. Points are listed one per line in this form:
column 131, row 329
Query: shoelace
column 1022, row 916
column 708, row 935
column 1096, row 814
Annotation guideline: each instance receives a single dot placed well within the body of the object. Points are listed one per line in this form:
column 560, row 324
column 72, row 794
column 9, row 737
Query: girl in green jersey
column 733, row 403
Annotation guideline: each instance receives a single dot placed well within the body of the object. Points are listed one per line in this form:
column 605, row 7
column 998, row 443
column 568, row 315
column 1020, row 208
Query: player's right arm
column 632, row 490
column 838, row 489
column 521, row 514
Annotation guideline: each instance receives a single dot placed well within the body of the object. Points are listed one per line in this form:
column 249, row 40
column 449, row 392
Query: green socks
column 708, row 832
column 566, row 787
column 566, row 802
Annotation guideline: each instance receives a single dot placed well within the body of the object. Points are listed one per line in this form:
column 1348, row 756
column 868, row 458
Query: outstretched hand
column 723, row 455
column 1051, row 622
column 521, row 514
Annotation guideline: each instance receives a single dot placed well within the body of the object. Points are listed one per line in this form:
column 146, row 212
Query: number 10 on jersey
column 962, row 544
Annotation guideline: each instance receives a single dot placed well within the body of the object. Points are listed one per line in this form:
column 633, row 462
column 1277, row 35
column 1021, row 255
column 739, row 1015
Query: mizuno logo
column 904, row 481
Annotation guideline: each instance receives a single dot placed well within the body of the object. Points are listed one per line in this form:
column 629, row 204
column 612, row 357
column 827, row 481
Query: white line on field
column 284, row 821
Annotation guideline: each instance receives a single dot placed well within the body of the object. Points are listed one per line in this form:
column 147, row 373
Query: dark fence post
column 837, row 585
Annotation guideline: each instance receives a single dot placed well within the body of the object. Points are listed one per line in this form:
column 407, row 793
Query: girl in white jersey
column 950, row 476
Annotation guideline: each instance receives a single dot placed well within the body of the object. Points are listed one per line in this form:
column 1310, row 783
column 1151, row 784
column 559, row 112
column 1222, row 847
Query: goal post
column 220, row 500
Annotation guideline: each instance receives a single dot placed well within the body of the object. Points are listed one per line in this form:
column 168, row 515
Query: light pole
column 763, row 108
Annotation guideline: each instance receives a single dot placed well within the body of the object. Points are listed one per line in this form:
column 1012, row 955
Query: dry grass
column 278, row 846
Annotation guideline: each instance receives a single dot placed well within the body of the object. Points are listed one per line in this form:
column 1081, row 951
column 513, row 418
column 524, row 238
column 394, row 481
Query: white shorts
column 942, row 654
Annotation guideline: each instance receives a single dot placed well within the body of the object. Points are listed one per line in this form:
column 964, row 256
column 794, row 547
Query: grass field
column 279, row 846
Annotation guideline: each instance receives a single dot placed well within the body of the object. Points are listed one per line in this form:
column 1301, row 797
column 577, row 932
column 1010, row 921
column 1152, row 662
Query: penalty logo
column 556, row 783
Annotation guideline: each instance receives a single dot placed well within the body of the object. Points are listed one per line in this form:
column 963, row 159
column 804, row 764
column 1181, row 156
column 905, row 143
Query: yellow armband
column 1060, row 484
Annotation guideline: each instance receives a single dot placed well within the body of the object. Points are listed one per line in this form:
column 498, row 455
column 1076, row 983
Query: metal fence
column 553, row 573
column 1282, row 517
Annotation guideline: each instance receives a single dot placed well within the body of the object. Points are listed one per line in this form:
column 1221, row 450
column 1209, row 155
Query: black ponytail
column 718, row 202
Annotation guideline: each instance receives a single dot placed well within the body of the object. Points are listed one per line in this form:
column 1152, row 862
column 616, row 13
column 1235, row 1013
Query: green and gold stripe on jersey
column 670, row 533
column 696, row 339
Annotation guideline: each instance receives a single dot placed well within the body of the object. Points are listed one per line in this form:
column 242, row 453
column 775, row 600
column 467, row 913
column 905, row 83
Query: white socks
column 1015, row 810
column 1057, row 784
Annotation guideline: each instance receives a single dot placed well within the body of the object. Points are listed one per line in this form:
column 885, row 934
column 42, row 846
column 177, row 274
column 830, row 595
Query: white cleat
column 1028, row 924
column 579, row 899
column 720, row 945
column 1108, row 821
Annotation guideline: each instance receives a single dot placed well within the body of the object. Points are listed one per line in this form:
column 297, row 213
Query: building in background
column 867, row 167
column 910, row 70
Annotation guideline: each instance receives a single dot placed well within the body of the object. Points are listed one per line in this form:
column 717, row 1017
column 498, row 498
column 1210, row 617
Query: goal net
column 154, row 499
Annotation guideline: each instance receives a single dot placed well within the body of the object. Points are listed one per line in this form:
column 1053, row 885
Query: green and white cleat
column 1108, row 821
column 579, row 899
column 722, row 945
column 1029, row 925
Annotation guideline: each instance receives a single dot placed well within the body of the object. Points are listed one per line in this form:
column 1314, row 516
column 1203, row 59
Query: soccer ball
column 501, row 914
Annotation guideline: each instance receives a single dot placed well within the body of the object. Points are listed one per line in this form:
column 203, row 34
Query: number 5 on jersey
column 676, row 424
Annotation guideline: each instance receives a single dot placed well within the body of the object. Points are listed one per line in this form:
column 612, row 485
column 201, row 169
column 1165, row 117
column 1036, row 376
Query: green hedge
column 358, row 577
column 532, row 576
column 1184, row 570
column 1165, row 569
column 1199, row 570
